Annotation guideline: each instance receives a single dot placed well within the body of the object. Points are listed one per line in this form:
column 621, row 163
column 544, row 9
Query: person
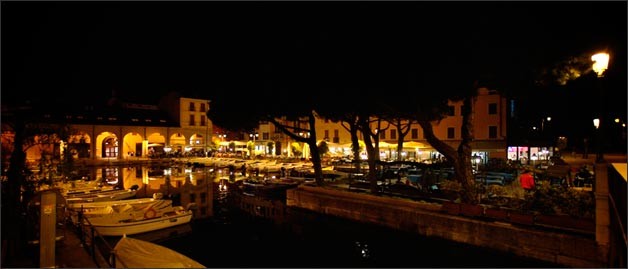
column 527, row 180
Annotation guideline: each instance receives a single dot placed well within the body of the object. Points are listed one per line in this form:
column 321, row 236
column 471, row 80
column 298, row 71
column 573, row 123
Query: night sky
column 238, row 53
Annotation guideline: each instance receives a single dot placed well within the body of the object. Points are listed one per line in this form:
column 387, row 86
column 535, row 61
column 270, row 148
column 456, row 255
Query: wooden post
column 47, row 229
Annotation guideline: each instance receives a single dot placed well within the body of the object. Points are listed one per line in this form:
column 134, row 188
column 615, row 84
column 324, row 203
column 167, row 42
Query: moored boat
column 136, row 253
column 129, row 220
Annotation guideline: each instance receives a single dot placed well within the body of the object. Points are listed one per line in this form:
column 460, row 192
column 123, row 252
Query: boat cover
column 135, row 253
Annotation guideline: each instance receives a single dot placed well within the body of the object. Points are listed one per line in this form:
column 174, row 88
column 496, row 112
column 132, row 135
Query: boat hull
column 136, row 227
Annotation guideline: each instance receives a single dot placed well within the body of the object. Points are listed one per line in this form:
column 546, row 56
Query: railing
column 96, row 244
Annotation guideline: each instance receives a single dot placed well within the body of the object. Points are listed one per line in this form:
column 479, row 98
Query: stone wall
column 570, row 250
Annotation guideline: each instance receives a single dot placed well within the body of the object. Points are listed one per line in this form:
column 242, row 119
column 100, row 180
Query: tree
column 303, row 129
column 17, row 190
column 323, row 148
column 403, row 128
column 371, row 141
column 460, row 158
column 350, row 121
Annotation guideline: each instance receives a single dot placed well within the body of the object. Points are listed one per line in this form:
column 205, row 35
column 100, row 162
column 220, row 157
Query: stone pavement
column 71, row 253
column 590, row 161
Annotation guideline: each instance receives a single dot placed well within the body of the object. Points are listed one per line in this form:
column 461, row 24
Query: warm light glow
column 167, row 149
column 534, row 158
column 596, row 123
column 549, row 118
column 617, row 120
column 600, row 63
column 623, row 125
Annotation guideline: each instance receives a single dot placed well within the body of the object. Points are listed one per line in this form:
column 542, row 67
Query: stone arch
column 107, row 145
column 132, row 145
column 156, row 144
column 177, row 142
column 197, row 140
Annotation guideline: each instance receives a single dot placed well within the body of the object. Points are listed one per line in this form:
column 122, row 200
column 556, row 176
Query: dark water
column 314, row 240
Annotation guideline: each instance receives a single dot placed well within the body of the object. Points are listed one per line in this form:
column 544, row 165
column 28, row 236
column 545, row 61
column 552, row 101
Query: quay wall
column 572, row 250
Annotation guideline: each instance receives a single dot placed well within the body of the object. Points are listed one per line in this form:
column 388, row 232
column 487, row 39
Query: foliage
column 323, row 148
column 296, row 149
column 546, row 199
column 549, row 199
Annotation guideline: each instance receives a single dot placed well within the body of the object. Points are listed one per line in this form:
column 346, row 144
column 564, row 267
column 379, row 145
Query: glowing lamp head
column 596, row 123
column 600, row 63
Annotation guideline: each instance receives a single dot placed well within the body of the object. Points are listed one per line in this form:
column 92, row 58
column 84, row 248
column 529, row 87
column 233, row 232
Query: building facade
column 489, row 121
column 120, row 130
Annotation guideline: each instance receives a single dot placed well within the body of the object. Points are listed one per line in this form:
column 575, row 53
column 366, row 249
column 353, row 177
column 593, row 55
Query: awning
column 413, row 144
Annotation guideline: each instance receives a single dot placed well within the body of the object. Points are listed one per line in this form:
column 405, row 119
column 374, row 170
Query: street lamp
column 254, row 136
column 600, row 64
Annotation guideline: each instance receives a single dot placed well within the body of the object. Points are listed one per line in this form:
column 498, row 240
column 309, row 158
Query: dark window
column 203, row 107
column 192, row 123
column 326, row 134
column 265, row 136
column 393, row 134
column 492, row 108
column 336, row 140
column 414, row 133
column 192, row 108
column 492, row 132
column 452, row 111
column 382, row 135
column 203, row 197
column 450, row 132
column 192, row 197
column 336, row 133
column 202, row 120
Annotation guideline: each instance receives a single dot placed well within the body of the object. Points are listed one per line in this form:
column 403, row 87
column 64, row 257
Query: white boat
column 103, row 204
column 135, row 253
column 106, row 208
column 101, row 196
column 139, row 221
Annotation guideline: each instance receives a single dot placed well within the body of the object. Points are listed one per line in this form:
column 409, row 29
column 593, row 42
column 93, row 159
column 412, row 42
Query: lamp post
column 254, row 136
column 600, row 64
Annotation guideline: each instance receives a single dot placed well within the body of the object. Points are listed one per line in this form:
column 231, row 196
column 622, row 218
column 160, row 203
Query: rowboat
column 136, row 253
column 101, row 196
column 103, row 204
column 133, row 221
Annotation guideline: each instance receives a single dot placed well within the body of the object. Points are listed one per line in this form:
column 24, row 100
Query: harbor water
column 308, row 239
column 231, row 237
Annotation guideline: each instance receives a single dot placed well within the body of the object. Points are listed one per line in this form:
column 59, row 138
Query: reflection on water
column 183, row 184
column 229, row 237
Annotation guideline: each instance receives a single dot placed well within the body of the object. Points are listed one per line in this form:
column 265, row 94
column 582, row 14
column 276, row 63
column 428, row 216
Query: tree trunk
column 461, row 159
column 11, row 203
column 355, row 146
